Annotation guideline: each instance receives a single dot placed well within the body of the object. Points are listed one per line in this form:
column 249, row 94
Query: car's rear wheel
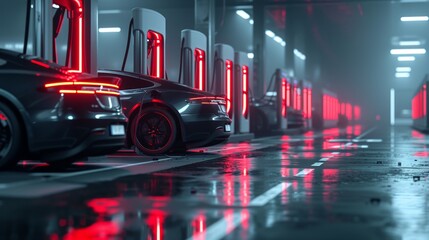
column 153, row 131
column 10, row 137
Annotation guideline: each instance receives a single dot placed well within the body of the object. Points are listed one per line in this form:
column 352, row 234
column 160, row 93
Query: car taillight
column 81, row 87
column 208, row 100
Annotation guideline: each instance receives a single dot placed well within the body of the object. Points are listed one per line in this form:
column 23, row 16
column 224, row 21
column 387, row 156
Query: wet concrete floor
column 354, row 183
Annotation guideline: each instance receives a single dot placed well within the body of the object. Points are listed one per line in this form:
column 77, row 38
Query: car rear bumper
column 205, row 131
column 80, row 137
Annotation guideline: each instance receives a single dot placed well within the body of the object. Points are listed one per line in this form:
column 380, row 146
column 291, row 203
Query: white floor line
column 335, row 153
column 317, row 164
column 365, row 133
column 224, row 226
column 73, row 174
column 304, row 172
column 324, row 159
column 263, row 199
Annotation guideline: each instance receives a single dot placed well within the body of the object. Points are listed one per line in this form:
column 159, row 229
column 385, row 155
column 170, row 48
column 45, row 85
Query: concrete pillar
column 258, row 48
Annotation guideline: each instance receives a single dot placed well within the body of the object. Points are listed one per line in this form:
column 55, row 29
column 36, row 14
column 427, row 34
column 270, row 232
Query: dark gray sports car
column 165, row 116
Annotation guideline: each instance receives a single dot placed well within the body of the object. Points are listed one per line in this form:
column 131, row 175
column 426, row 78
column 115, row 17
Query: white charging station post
column 241, row 92
column 149, row 42
column 307, row 108
column 194, row 59
column 282, row 83
column 222, row 83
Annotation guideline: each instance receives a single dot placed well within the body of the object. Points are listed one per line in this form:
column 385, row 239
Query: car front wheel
column 153, row 131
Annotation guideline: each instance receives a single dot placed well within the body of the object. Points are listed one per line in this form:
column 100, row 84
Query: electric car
column 165, row 116
column 50, row 113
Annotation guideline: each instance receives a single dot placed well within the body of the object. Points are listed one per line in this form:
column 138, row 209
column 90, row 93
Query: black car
column 165, row 116
column 53, row 114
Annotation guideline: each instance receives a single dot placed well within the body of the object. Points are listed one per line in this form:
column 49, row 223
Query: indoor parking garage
column 214, row 119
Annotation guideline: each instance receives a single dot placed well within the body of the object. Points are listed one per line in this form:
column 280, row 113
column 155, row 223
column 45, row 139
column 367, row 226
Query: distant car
column 55, row 115
column 165, row 116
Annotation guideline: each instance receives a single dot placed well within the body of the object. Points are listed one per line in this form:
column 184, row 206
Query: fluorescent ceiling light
column 299, row 54
column 243, row 14
column 278, row 39
column 283, row 43
column 402, row 75
column 409, row 43
column 408, row 51
column 415, row 19
column 109, row 11
column 251, row 21
column 403, row 69
column 270, row 33
column 250, row 55
column 109, row 30
column 406, row 58
column 55, row 5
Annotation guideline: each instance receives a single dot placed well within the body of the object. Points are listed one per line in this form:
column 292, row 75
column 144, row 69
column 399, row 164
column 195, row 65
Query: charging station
column 282, row 98
column 222, row 83
column 149, row 42
column 307, row 107
column 241, row 92
column 327, row 108
column 193, row 59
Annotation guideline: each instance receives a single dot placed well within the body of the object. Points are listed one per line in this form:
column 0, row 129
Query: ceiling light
column 406, row 58
column 55, row 6
column 109, row 30
column 409, row 43
column 270, row 33
column 408, row 51
column 278, row 39
column 415, row 19
column 250, row 55
column 402, row 75
column 299, row 54
column 243, row 14
column 251, row 21
column 283, row 43
column 403, row 69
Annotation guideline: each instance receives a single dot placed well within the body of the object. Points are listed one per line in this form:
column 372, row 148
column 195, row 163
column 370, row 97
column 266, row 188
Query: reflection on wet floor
column 316, row 185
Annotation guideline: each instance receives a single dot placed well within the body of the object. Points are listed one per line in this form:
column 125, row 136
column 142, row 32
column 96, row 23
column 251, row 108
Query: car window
column 131, row 82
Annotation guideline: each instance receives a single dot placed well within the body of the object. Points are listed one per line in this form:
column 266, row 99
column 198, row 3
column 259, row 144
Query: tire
column 10, row 137
column 153, row 131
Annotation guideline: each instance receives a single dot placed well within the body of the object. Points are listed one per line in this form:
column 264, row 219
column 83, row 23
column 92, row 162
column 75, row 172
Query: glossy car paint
column 58, row 126
column 198, row 124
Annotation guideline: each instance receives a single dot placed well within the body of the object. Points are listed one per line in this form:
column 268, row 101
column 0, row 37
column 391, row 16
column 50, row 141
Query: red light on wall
column 200, row 69
column 155, row 54
column 229, row 79
column 310, row 103
column 349, row 111
column 424, row 100
column 305, row 102
column 245, row 88
column 284, row 99
column 356, row 113
column 288, row 94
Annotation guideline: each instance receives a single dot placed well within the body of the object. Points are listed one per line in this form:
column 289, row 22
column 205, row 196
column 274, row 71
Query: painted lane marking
column 17, row 184
column 335, row 153
column 317, row 164
column 304, row 172
column 263, row 199
column 226, row 225
column 324, row 159
column 365, row 133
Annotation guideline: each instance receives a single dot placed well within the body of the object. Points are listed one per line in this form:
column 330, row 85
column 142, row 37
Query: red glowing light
column 288, row 95
column 356, row 112
column 156, row 51
column 284, row 100
column 42, row 64
column 305, row 102
column 245, row 87
column 310, row 104
column 73, row 87
column 229, row 79
column 200, row 69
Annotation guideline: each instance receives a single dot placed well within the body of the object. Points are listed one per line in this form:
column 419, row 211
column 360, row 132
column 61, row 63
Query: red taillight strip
column 108, row 92
column 58, row 84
